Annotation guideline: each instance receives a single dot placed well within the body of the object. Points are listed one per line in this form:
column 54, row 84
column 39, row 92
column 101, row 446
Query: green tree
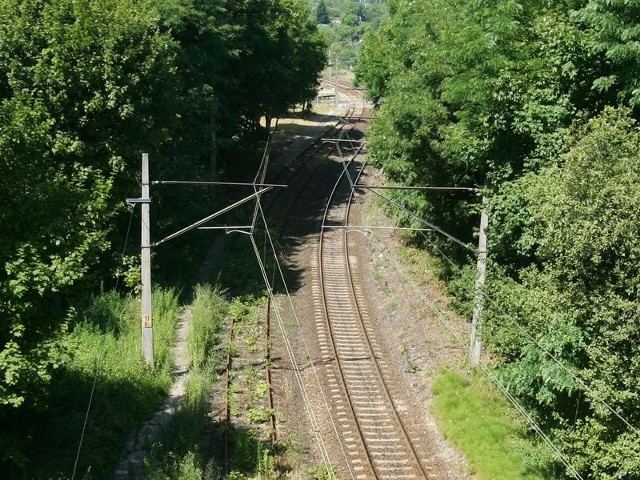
column 79, row 84
column 613, row 26
column 515, row 92
column 85, row 86
column 472, row 90
column 322, row 15
column 580, row 304
column 279, row 56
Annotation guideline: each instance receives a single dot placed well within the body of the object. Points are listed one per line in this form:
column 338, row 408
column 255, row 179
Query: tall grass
column 183, row 450
column 104, row 343
column 108, row 337
column 207, row 311
column 482, row 425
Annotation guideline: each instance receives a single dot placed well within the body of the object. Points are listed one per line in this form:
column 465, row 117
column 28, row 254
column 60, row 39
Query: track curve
column 372, row 429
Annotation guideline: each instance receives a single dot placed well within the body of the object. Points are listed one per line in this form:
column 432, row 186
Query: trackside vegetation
column 193, row 445
column 104, row 364
column 183, row 447
column 537, row 104
column 86, row 86
column 107, row 358
column 345, row 22
column 480, row 422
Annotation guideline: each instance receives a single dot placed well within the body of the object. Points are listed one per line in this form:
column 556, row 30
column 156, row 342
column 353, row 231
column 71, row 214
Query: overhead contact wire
column 294, row 363
column 442, row 317
column 423, row 220
column 306, row 347
column 297, row 319
column 571, row 373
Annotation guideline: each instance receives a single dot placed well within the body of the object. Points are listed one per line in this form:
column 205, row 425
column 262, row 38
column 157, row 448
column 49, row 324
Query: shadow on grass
column 238, row 451
column 193, row 447
column 51, row 435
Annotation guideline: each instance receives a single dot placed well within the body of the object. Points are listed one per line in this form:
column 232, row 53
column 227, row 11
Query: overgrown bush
column 104, row 376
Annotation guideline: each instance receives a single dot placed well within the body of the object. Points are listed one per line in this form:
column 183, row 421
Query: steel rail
column 331, row 331
column 412, row 455
column 404, row 433
column 310, row 151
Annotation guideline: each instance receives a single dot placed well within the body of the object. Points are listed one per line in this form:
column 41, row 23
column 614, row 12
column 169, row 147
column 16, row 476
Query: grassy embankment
column 105, row 371
column 469, row 410
column 481, row 423
column 104, row 345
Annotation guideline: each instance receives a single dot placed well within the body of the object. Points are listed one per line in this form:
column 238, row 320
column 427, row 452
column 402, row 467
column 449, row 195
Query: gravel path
column 136, row 447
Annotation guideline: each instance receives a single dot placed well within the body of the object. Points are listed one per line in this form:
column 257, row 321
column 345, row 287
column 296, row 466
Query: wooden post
column 147, row 313
column 476, row 321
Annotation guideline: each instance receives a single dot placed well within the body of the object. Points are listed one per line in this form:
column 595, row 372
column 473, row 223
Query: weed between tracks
column 203, row 443
column 199, row 444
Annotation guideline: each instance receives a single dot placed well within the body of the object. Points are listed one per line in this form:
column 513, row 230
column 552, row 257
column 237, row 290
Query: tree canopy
column 346, row 22
column 85, row 87
column 536, row 103
column 322, row 14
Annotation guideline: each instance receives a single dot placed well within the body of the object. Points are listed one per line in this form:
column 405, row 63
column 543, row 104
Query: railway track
column 373, row 433
column 297, row 166
column 304, row 168
column 345, row 90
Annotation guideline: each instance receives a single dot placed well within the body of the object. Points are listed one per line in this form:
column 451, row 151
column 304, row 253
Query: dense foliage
column 537, row 101
column 105, row 341
column 85, row 87
column 345, row 23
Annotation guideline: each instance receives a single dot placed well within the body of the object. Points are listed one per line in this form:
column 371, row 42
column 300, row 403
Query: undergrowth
column 104, row 379
column 208, row 311
column 182, row 451
column 191, row 445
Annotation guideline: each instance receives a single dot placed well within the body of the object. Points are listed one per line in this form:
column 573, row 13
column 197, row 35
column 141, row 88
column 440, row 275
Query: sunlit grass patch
column 208, row 310
column 482, row 425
